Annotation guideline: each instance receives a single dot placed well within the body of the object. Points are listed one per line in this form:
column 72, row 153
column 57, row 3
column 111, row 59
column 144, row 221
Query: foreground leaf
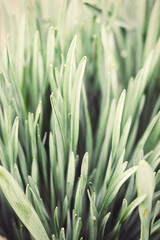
column 21, row 205
column 131, row 208
column 145, row 185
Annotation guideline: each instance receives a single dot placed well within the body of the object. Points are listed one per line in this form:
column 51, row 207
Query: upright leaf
column 145, row 185
column 21, row 205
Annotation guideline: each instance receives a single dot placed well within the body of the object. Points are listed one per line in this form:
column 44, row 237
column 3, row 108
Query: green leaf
column 89, row 135
column 81, row 184
column 52, row 151
column 21, row 205
column 103, row 225
column 76, row 103
column 114, row 188
column 153, row 30
column 38, row 112
column 70, row 176
column 36, row 49
column 156, row 212
column 56, row 221
column 37, row 196
column 155, row 227
column 17, row 176
column 65, row 209
column 124, row 136
column 38, row 205
column 117, row 123
column 50, row 47
column 41, row 73
column 94, row 228
column 105, row 146
column 77, row 229
column 60, row 142
column 93, row 209
column 142, row 141
column 120, row 166
column 93, row 7
column 14, row 140
column 67, row 85
column 145, row 185
column 57, row 117
column 22, row 163
column 84, row 171
column 62, row 234
column 131, row 208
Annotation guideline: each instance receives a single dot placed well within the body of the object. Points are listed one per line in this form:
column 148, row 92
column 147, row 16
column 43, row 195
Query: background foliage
column 80, row 155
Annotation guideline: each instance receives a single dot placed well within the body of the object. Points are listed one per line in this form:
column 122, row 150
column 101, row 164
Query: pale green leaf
column 145, row 185
column 21, row 205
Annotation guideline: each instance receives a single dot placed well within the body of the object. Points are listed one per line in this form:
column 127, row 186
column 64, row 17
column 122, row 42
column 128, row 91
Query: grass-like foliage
column 80, row 120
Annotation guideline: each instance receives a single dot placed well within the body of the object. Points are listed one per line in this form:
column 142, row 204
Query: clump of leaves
column 79, row 136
